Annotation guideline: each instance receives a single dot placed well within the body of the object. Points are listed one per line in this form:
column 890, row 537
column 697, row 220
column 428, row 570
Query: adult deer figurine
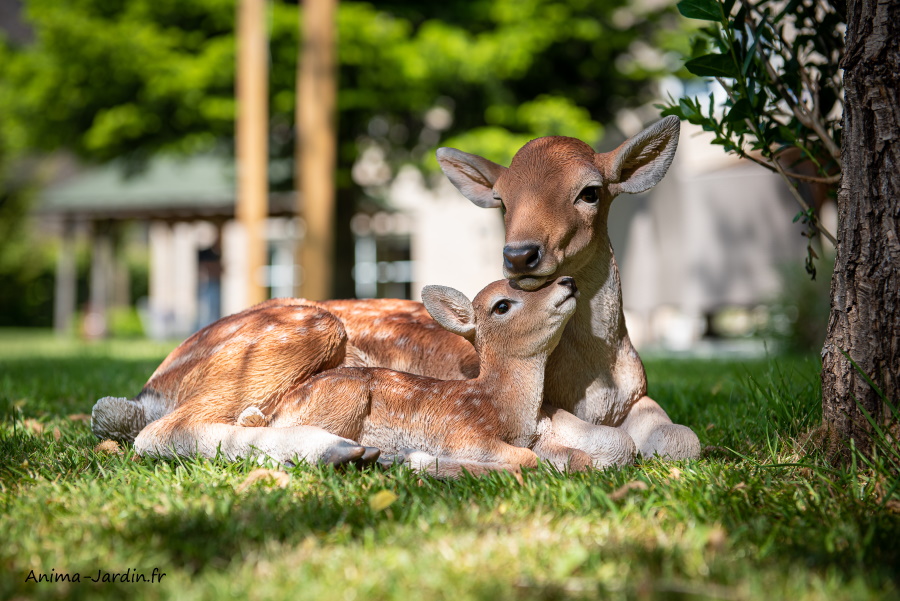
column 556, row 195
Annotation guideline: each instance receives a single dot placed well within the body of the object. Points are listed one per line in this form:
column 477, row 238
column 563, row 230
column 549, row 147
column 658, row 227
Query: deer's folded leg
column 175, row 434
column 562, row 457
column 605, row 446
column 445, row 467
column 497, row 456
column 655, row 434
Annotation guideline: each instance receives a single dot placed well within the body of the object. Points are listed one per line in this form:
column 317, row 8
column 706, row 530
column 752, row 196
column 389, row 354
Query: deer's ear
column 641, row 161
column 472, row 175
column 451, row 309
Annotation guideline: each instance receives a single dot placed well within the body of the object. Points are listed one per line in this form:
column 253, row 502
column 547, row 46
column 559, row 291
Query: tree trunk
column 865, row 289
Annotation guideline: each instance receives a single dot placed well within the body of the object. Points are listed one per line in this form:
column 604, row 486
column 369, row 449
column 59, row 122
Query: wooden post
column 316, row 146
column 252, row 139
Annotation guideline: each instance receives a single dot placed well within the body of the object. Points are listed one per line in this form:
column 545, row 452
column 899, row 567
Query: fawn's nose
column 519, row 258
column 568, row 282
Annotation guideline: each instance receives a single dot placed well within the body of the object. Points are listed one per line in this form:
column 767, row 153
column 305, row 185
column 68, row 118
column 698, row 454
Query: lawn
column 755, row 518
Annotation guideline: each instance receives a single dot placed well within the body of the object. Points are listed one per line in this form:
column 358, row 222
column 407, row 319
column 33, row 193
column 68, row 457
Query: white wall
column 172, row 306
column 715, row 232
column 454, row 243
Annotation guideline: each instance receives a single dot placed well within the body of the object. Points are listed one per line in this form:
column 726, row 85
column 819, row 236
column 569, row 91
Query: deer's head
column 505, row 320
column 556, row 193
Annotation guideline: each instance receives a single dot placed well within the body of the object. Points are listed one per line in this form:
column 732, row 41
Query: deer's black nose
column 569, row 282
column 519, row 258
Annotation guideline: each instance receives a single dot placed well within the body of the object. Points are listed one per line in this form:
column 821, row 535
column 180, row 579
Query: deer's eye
column 589, row 195
column 496, row 196
column 501, row 307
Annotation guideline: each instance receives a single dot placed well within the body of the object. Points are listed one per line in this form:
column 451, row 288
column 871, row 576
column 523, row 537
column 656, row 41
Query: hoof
column 369, row 457
column 343, row 453
column 386, row 462
column 401, row 457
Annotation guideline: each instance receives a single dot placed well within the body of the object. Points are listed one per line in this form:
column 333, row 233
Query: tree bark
column 865, row 288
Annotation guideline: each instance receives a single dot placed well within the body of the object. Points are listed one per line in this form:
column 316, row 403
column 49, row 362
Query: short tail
column 122, row 419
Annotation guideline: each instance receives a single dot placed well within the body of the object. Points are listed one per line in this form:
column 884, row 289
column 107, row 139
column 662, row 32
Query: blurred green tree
column 112, row 79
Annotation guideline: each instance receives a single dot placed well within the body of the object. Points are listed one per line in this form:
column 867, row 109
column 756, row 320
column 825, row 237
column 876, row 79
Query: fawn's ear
column 641, row 161
column 451, row 309
column 472, row 175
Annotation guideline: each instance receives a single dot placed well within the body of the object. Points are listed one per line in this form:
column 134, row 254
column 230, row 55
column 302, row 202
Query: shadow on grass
column 334, row 508
column 196, row 539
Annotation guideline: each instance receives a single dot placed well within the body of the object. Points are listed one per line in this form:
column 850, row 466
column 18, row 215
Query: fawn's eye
column 500, row 307
column 589, row 195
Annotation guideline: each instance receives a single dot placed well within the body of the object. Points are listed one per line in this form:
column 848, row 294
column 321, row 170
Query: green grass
column 737, row 524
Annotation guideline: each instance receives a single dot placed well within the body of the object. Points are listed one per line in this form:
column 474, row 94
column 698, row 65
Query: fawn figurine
column 485, row 423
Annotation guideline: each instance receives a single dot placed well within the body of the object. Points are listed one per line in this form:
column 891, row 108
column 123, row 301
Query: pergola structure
column 188, row 204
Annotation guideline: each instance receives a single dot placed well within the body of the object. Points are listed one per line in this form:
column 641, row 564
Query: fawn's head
column 556, row 193
column 505, row 320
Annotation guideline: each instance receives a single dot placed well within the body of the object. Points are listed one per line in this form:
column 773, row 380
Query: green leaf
column 712, row 65
column 740, row 111
column 751, row 51
column 666, row 110
column 705, row 10
column 686, row 109
column 786, row 133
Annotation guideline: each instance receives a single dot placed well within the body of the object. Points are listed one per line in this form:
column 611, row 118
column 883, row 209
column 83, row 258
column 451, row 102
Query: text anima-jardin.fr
column 128, row 576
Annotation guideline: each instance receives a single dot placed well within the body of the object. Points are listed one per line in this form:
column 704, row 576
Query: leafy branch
column 778, row 64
